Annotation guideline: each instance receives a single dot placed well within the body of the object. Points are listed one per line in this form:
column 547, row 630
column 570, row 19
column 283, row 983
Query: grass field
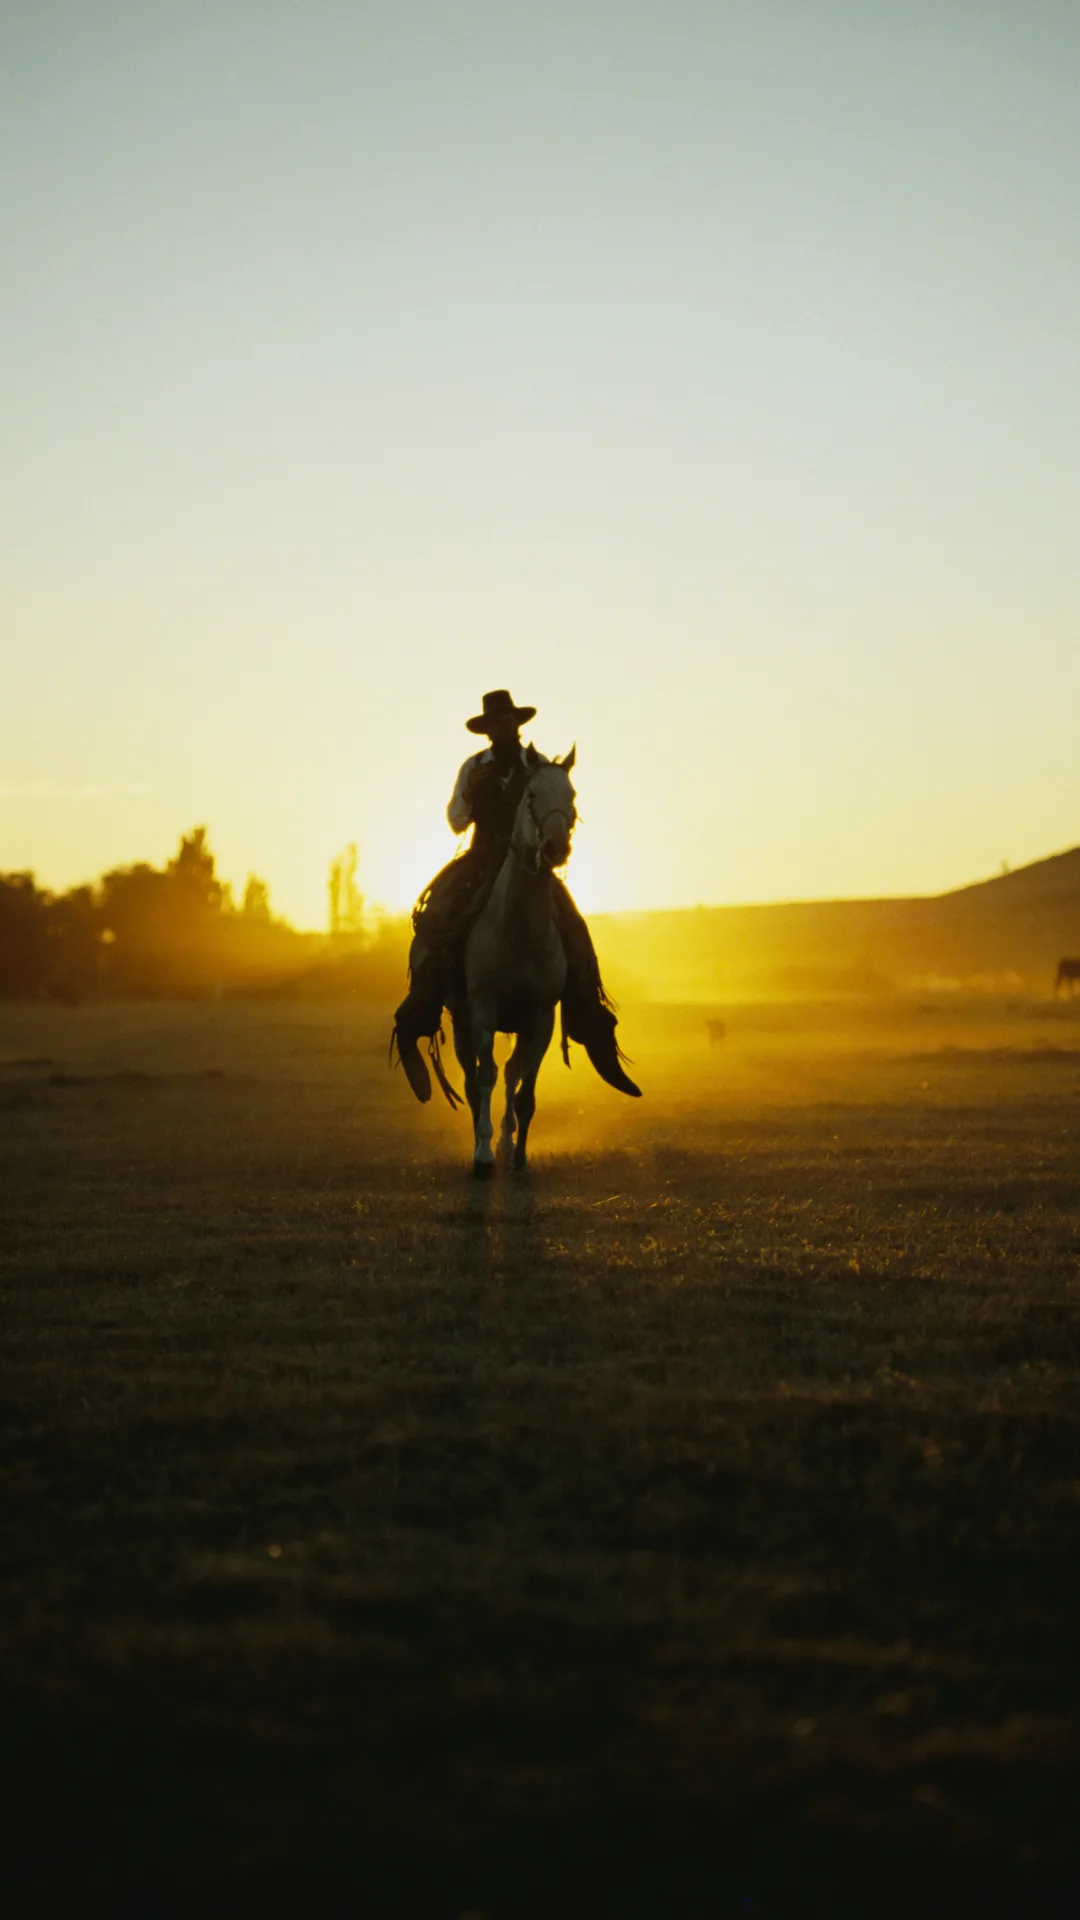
column 688, row 1528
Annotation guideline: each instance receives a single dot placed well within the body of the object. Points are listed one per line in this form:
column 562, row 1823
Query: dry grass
column 689, row 1525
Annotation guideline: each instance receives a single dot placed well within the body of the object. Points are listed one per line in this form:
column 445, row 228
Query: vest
column 495, row 807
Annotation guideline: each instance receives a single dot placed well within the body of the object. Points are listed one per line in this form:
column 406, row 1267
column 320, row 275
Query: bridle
column 539, row 823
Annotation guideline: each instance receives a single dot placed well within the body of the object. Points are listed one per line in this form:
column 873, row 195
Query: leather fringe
column 435, row 1056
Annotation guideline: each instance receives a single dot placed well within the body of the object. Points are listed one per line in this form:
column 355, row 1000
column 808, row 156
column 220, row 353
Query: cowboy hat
column 497, row 706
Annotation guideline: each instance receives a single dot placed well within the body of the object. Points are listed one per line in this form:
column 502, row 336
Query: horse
column 1068, row 974
column 514, row 968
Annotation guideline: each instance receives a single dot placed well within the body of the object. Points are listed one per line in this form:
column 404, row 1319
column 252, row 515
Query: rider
column 486, row 796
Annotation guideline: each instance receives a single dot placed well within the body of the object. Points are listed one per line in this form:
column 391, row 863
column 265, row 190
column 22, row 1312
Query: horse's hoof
column 519, row 1164
column 483, row 1169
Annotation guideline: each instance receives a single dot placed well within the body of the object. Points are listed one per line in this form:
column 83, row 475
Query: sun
column 416, row 861
column 395, row 874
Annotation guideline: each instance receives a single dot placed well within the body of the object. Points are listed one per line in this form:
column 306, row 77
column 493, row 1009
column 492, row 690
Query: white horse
column 515, row 967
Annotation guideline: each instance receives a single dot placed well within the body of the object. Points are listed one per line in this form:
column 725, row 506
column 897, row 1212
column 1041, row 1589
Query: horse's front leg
column 531, row 1047
column 482, row 1023
column 511, row 1075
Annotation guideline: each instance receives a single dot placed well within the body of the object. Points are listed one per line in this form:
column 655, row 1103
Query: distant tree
column 346, row 900
column 146, row 930
column 49, row 943
column 352, row 906
column 133, row 908
column 168, row 926
column 256, row 899
column 192, row 867
column 23, row 934
column 74, row 944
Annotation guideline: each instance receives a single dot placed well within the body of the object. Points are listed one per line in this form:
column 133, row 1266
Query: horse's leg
column 511, row 1075
column 482, row 1025
column 531, row 1047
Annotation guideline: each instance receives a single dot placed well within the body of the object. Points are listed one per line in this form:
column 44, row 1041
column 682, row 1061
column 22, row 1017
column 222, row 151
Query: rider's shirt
column 493, row 806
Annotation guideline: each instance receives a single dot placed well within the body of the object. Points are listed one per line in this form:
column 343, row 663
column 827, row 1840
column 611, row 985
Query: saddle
column 441, row 920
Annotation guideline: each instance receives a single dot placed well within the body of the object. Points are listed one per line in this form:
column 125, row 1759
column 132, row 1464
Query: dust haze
column 694, row 1516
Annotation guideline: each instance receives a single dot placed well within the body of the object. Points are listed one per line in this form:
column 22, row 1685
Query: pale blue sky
column 706, row 373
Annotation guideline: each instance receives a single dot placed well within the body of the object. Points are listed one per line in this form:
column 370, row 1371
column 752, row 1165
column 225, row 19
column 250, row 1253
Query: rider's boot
column 596, row 1032
column 417, row 1017
column 587, row 1016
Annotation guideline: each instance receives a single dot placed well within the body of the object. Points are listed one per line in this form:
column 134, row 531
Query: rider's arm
column 459, row 812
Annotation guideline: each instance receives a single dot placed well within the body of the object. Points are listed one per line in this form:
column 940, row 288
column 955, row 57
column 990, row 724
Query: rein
column 539, row 823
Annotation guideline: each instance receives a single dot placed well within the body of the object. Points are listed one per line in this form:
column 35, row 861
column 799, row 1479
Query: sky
column 705, row 371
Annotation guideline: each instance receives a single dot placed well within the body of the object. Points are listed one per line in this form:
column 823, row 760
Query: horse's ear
column 567, row 764
column 531, row 755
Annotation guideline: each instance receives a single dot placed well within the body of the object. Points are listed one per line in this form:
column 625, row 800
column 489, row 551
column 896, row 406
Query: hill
column 1055, row 879
column 1003, row 934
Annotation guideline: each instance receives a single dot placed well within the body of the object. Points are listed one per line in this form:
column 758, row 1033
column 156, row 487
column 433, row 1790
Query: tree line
column 176, row 930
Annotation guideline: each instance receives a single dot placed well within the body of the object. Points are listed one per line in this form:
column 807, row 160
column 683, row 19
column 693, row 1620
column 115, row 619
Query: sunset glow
column 705, row 375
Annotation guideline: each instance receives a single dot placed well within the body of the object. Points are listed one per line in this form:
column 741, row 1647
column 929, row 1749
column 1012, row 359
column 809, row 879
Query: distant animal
column 717, row 1031
column 1068, row 975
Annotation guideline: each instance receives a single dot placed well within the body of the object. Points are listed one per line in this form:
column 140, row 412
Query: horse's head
column 547, row 816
